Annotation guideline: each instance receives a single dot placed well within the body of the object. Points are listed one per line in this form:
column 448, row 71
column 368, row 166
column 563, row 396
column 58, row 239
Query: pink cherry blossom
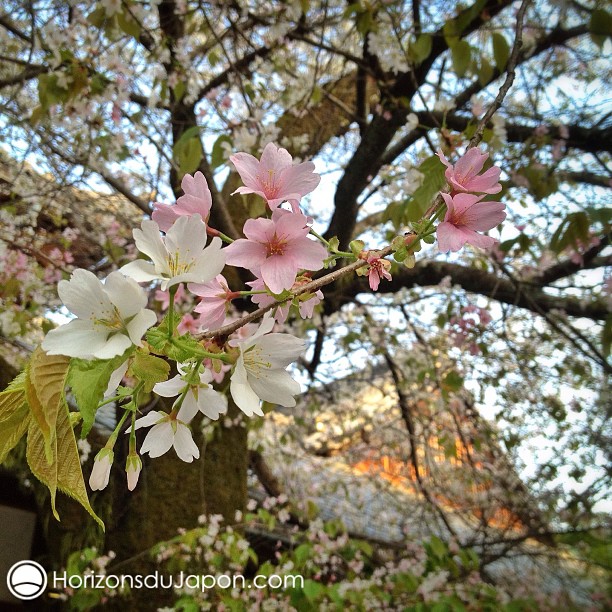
column 264, row 299
column 164, row 297
column 378, row 269
column 189, row 325
column 216, row 376
column 197, row 200
column 274, row 177
column 465, row 216
column 216, row 299
column 276, row 249
column 463, row 176
column 305, row 303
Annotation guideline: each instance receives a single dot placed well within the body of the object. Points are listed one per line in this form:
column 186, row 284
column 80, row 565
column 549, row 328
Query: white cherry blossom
column 200, row 396
column 111, row 316
column 167, row 431
column 259, row 373
column 180, row 257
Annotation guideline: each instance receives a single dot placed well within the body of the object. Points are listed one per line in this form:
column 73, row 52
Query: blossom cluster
column 112, row 320
column 182, row 254
column 466, row 212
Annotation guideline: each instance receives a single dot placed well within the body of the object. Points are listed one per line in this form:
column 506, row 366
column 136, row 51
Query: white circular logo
column 26, row 579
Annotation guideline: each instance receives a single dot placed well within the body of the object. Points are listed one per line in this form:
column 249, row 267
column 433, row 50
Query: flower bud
column 101, row 469
column 133, row 465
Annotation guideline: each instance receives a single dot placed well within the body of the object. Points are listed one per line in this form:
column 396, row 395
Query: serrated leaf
column 44, row 387
column 14, row 415
column 461, row 53
column 89, row 381
column 501, row 50
column 149, row 369
column 433, row 170
column 64, row 472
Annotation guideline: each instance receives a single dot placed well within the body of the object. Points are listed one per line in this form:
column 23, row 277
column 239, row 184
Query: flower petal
column 281, row 349
column 245, row 254
column 148, row 241
column 139, row 325
column 185, row 447
column 212, row 403
column 115, row 345
column 278, row 272
column 276, row 387
column 141, row 271
column 125, row 293
column 159, row 440
column 77, row 338
column 170, row 388
column 246, row 399
column 84, row 295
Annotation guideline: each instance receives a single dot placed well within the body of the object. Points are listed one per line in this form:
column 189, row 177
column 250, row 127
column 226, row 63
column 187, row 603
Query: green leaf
column 128, row 24
column 600, row 26
column 575, row 227
column 438, row 547
column 461, row 53
column 44, row 387
column 501, row 50
column 452, row 381
column 421, row 199
column 64, row 471
column 453, row 28
column 312, row 589
column 421, row 48
column 149, row 369
column 356, row 247
column 97, row 17
column 217, row 157
column 179, row 91
column 188, row 150
column 485, row 74
column 89, row 380
column 14, row 416
column 191, row 156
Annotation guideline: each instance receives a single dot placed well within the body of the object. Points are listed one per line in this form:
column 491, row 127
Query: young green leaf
column 14, row 416
column 89, row 381
column 462, row 56
column 44, row 387
column 434, row 180
column 149, row 369
column 64, row 471
column 501, row 50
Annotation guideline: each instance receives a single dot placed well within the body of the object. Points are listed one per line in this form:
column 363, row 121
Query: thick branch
column 367, row 159
column 473, row 280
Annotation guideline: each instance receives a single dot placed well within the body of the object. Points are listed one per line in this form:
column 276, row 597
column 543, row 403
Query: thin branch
column 510, row 74
column 311, row 287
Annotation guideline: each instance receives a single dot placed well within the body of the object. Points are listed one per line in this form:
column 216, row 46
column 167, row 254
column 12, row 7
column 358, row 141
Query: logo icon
column 26, row 580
